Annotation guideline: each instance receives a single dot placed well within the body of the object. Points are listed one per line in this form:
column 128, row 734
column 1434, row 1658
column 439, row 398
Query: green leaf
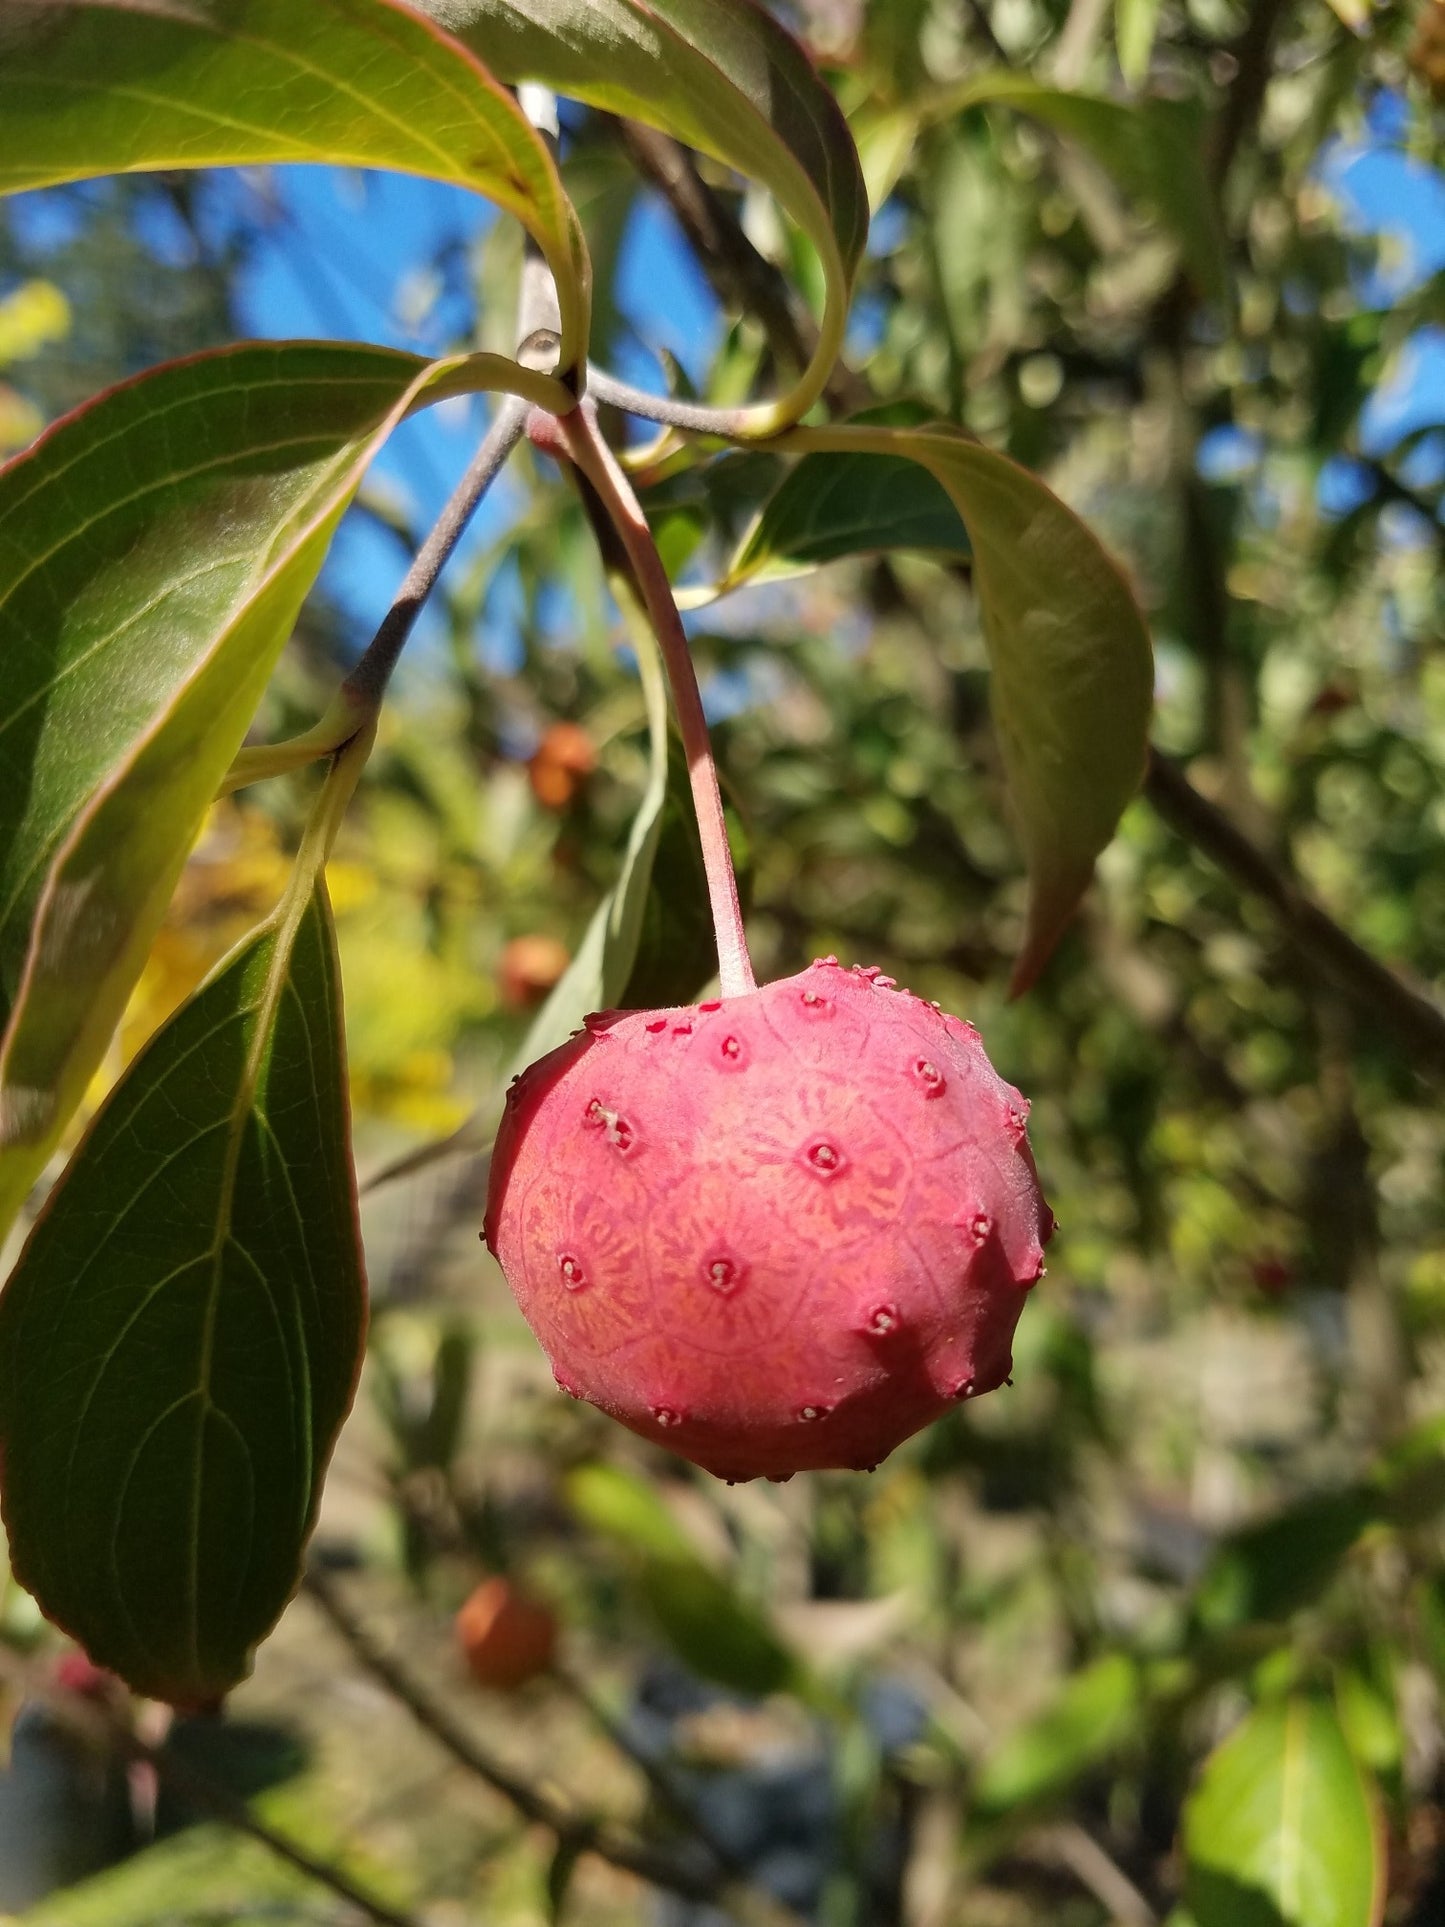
column 1409, row 1478
column 720, row 75
column 1096, row 1712
column 1072, row 666
column 1155, row 149
column 1269, row 1570
column 711, row 1630
column 1135, row 24
column 1282, row 1829
column 92, row 87
column 830, row 506
column 599, row 973
column 180, row 1340
column 155, row 548
column 699, row 1614
column 627, row 1509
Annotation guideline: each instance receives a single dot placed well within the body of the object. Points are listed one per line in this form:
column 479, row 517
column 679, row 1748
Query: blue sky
column 355, row 255
column 347, row 254
column 1387, row 193
column 385, row 258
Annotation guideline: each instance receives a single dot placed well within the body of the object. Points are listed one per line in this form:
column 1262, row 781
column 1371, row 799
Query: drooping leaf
column 155, row 548
column 1282, row 1829
column 1095, row 1712
column 1153, row 148
column 91, row 87
column 180, row 1340
column 720, row 75
column 599, row 972
column 1070, row 656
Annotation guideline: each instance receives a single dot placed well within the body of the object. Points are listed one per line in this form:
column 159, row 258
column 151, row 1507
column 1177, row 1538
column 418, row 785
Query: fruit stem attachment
column 578, row 436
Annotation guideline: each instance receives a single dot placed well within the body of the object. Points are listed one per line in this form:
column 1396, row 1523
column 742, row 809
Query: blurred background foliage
column 1049, row 1662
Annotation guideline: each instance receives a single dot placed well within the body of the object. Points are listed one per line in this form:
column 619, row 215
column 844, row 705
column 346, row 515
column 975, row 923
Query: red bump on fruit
column 859, row 1211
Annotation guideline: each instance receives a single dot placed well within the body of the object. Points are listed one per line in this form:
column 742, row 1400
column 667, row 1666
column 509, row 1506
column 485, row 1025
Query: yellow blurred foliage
column 20, row 421
column 34, row 316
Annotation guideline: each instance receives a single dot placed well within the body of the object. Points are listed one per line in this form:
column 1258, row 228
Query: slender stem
column 232, row 1811
column 369, row 678
column 578, row 436
column 603, row 1838
column 728, row 424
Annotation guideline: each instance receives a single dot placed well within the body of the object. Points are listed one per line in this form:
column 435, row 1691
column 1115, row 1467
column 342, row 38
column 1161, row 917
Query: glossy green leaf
column 92, row 87
column 180, row 1340
column 831, row 506
column 724, row 77
column 1094, row 1714
column 1282, row 1829
column 1268, row 1570
column 1070, row 656
column 155, row 548
column 1155, row 150
column 599, row 972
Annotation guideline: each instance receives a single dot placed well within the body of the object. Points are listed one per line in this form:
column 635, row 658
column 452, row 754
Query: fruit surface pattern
column 776, row 1232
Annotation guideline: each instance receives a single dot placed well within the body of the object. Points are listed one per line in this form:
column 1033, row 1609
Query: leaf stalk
column 578, row 437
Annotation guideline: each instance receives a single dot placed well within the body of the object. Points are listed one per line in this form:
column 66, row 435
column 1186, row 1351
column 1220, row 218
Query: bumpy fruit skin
column 774, row 1233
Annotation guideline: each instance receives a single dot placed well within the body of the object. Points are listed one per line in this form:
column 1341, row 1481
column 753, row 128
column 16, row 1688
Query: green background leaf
column 711, row 1629
column 1135, row 24
column 1095, row 1712
column 1271, row 1569
column 1282, row 1829
column 91, row 87
column 722, row 76
column 181, row 1337
column 155, row 548
column 676, row 944
column 602, row 967
column 1155, row 149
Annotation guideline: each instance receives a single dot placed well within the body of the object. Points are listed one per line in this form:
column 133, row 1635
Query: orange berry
column 562, row 762
column 528, row 969
column 506, row 1638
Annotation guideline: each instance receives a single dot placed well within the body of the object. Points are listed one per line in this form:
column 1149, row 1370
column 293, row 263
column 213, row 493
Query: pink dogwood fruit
column 777, row 1232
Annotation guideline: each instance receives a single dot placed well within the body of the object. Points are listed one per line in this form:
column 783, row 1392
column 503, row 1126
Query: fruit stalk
column 579, row 437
